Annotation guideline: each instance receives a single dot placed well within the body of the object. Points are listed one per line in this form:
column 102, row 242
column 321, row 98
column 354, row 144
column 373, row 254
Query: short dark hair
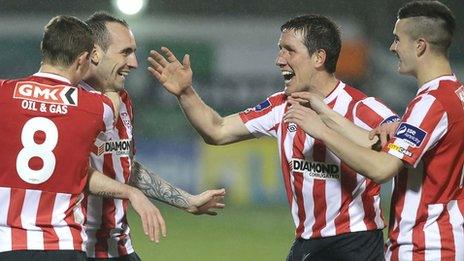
column 97, row 23
column 435, row 22
column 64, row 39
column 320, row 33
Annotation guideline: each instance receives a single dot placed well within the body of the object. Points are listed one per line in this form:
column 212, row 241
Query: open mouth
column 123, row 74
column 288, row 76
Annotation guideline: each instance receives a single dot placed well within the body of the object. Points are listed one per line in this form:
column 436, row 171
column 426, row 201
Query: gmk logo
column 54, row 94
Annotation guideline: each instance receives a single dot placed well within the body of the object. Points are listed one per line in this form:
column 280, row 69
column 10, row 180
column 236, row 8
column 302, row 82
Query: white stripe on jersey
column 457, row 221
column 28, row 219
column 108, row 117
column 5, row 231
column 409, row 213
column 432, row 232
column 60, row 226
column 333, row 195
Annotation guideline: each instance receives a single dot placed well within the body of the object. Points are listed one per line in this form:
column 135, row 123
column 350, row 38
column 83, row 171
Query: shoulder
column 356, row 94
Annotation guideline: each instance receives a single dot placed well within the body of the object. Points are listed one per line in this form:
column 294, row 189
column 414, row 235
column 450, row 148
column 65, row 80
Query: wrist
column 187, row 92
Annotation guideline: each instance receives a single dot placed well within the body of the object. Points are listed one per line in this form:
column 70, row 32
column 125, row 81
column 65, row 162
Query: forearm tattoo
column 107, row 194
column 153, row 186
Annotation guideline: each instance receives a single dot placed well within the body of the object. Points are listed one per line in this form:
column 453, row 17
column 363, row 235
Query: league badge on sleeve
column 411, row 134
column 263, row 105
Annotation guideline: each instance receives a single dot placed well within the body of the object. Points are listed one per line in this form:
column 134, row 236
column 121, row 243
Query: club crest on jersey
column 118, row 147
column 53, row 94
column 315, row 169
column 411, row 134
column 460, row 94
column 400, row 149
column 126, row 120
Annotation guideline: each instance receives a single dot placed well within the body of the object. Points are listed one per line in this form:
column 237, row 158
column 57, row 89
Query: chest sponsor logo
column 315, row 169
column 119, row 147
column 56, row 94
column 411, row 134
column 400, row 149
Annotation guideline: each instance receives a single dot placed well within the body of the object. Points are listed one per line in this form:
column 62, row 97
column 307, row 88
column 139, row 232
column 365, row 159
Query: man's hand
column 152, row 221
column 173, row 75
column 204, row 202
column 313, row 100
column 385, row 132
column 305, row 118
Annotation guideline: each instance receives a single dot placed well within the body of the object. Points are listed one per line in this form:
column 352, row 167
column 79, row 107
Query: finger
column 383, row 138
column 186, row 62
column 301, row 95
column 169, row 55
column 155, row 228
column 162, row 225
column 158, row 58
column 144, row 224
column 156, row 74
column 372, row 134
column 155, row 64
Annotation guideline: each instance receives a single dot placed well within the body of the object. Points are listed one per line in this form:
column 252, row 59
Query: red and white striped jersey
column 44, row 160
column 327, row 197
column 427, row 215
column 106, row 226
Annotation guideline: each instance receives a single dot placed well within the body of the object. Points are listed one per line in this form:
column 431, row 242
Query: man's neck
column 324, row 84
column 433, row 69
column 46, row 68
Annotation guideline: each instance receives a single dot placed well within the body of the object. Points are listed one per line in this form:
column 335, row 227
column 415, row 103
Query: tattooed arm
column 153, row 186
column 152, row 221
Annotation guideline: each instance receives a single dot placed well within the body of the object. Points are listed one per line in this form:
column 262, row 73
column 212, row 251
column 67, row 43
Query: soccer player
column 113, row 58
column 426, row 154
column 44, row 157
column 336, row 211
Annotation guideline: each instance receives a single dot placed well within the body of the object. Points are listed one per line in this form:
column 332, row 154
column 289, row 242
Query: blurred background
column 233, row 45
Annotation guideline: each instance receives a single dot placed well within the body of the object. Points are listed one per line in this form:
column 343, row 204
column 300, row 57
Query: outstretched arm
column 152, row 221
column 176, row 77
column 153, row 186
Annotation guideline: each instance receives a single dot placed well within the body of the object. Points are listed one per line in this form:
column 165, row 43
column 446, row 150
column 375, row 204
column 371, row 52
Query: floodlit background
column 233, row 45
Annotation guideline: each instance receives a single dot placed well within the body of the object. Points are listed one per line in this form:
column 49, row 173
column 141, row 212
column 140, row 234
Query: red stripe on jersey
column 348, row 184
column 18, row 234
column 108, row 210
column 372, row 189
column 298, row 146
column 418, row 237
column 75, row 228
column 44, row 218
column 446, row 235
column 284, row 164
column 320, row 205
column 368, row 116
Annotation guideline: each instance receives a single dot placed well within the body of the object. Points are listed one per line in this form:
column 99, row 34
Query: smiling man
column 112, row 59
column 336, row 211
column 426, row 153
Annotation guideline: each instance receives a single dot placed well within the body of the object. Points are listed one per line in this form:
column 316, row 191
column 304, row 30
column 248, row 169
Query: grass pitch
column 236, row 233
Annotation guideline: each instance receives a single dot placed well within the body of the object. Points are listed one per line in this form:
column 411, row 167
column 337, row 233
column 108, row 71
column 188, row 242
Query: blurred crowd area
column 233, row 45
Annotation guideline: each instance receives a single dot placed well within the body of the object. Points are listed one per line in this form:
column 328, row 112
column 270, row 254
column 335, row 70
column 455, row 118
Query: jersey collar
column 435, row 82
column 52, row 76
column 335, row 92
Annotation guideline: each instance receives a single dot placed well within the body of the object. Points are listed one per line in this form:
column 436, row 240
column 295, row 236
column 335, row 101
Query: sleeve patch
column 411, row 134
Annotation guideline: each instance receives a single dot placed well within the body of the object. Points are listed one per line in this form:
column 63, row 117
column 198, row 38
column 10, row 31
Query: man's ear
column 95, row 56
column 320, row 56
column 421, row 46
